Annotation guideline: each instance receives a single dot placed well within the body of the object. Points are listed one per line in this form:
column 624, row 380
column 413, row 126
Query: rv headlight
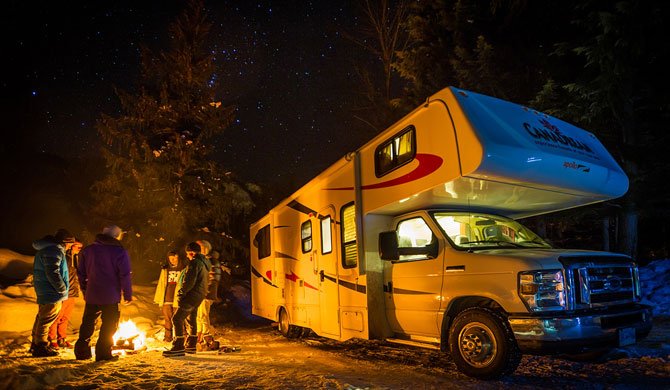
column 542, row 290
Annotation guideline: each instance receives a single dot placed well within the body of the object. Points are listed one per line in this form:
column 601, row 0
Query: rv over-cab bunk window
column 262, row 242
column 395, row 152
column 349, row 250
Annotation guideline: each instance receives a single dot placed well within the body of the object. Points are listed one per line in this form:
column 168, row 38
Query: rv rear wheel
column 482, row 344
column 285, row 328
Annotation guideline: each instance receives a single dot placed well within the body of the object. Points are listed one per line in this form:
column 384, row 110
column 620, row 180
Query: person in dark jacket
column 205, row 340
column 51, row 282
column 104, row 276
column 58, row 329
column 190, row 295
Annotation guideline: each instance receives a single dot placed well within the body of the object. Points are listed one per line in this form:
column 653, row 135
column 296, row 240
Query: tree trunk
column 606, row 234
column 628, row 230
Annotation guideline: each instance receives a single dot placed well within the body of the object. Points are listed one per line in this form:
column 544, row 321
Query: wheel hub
column 477, row 344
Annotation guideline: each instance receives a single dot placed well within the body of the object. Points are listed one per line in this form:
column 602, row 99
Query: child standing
column 166, row 288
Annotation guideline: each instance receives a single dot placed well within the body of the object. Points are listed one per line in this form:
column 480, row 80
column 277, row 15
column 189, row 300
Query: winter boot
column 168, row 335
column 210, row 344
column 43, row 350
column 177, row 348
column 82, row 351
column 62, row 343
column 191, row 344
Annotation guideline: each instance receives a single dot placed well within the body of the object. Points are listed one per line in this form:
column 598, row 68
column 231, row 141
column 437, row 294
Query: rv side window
column 306, row 236
column 395, row 152
column 326, row 237
column 349, row 250
column 414, row 233
column 262, row 242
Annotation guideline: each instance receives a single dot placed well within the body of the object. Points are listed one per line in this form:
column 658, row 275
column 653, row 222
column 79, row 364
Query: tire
column 305, row 332
column 482, row 344
column 285, row 328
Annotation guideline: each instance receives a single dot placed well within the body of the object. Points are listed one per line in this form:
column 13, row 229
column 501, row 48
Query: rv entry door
column 325, row 256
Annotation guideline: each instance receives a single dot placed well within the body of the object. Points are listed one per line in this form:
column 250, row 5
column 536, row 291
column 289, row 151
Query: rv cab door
column 414, row 282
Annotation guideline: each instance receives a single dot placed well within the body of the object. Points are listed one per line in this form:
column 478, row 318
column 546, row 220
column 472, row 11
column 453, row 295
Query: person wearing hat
column 190, row 295
column 51, row 282
column 104, row 276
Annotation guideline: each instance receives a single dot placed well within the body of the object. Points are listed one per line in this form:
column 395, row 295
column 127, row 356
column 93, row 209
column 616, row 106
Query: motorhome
column 413, row 239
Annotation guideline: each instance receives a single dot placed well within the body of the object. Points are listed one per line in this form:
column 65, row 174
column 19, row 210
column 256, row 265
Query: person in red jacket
column 104, row 276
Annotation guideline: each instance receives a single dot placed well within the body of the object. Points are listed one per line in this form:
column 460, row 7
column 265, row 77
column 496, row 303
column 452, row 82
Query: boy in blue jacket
column 51, row 281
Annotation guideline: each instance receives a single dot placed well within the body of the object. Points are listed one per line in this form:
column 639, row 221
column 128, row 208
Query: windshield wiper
column 496, row 242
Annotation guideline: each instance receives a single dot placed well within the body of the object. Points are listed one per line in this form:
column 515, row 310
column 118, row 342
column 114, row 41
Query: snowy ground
column 267, row 360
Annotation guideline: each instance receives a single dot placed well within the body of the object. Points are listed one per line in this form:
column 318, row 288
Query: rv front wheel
column 482, row 344
column 285, row 328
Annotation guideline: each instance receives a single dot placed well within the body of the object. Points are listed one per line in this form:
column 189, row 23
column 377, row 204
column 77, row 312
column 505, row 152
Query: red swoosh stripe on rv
column 428, row 163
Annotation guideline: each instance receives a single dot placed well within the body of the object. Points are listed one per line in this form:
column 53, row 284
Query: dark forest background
column 602, row 65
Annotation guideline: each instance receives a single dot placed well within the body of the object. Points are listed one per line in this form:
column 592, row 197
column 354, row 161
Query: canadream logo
column 551, row 133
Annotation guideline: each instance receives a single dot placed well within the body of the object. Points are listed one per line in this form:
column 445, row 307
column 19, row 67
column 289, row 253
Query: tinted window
column 306, row 236
column 262, row 242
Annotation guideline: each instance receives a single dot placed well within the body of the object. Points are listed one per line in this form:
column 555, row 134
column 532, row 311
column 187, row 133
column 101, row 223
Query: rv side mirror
column 388, row 245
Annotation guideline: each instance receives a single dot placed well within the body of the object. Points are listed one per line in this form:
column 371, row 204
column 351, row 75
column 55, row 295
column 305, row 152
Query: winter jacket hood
column 104, row 271
column 50, row 272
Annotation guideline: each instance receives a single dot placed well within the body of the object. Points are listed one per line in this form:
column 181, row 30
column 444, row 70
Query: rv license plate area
column 626, row 336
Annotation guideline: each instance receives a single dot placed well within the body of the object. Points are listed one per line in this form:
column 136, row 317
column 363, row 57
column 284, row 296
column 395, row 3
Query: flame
column 128, row 334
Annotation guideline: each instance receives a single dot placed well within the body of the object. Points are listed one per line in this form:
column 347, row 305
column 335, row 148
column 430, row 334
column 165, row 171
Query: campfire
column 129, row 338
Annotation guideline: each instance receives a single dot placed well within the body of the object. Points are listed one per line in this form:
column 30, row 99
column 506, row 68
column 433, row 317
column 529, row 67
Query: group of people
column 185, row 293
column 101, row 271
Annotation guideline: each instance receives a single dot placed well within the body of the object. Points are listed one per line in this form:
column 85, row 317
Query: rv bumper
column 564, row 334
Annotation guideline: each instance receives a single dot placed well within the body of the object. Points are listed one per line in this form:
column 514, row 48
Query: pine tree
column 498, row 48
column 380, row 36
column 618, row 91
column 163, row 185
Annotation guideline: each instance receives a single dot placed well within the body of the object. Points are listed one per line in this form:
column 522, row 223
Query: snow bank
column 15, row 266
column 655, row 284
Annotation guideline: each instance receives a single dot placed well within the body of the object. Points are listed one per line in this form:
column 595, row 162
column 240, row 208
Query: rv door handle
column 455, row 268
column 322, row 275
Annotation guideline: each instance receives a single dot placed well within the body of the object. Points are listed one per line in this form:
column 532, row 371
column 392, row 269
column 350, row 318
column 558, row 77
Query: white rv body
column 315, row 257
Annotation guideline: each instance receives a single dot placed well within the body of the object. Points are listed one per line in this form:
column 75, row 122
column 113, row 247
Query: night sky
column 286, row 67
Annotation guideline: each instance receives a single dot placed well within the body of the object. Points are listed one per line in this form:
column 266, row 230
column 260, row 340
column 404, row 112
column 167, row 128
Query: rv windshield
column 484, row 231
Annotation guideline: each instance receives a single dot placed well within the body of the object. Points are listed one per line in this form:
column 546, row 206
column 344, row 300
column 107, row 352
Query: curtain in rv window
column 349, row 250
column 395, row 152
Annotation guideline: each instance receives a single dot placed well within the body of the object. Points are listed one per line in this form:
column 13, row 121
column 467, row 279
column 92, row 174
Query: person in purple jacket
column 104, row 276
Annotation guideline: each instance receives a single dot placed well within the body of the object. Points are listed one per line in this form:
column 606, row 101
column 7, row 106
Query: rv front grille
column 600, row 284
